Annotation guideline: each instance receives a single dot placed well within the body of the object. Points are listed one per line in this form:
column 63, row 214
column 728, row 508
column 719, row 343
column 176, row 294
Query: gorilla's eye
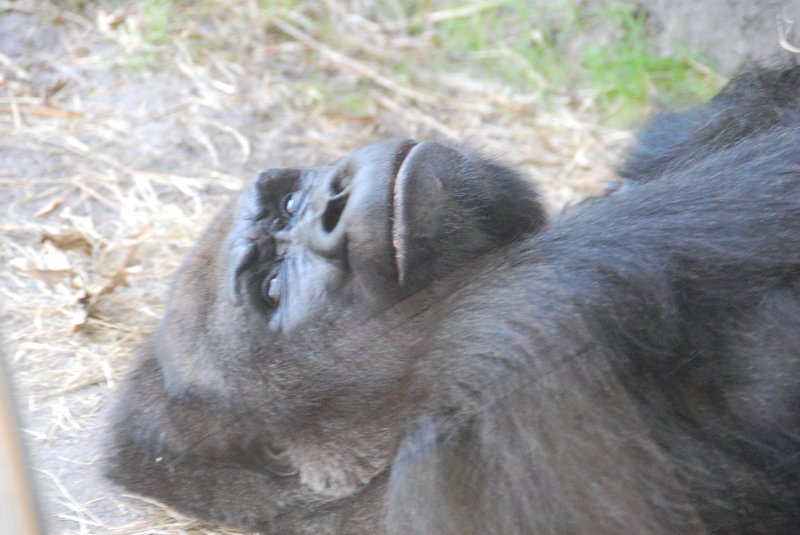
column 271, row 290
column 288, row 205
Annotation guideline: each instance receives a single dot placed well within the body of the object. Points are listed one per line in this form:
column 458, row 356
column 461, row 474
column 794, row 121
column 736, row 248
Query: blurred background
column 124, row 126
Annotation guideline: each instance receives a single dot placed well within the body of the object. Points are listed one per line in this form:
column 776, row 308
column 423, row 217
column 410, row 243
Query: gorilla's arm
column 210, row 460
column 751, row 104
column 173, row 448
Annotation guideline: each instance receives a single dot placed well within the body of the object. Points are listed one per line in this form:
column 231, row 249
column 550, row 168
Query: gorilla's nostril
column 339, row 184
column 333, row 212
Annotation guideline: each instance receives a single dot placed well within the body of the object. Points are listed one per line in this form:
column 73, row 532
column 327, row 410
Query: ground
column 123, row 131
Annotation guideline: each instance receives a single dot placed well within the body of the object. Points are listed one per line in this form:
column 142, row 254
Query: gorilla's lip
column 398, row 188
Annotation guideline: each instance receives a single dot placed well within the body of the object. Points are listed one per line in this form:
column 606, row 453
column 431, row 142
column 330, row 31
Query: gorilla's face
column 368, row 230
column 275, row 358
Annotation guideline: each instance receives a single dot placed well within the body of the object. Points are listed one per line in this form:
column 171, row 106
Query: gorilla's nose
column 334, row 207
column 348, row 206
column 323, row 228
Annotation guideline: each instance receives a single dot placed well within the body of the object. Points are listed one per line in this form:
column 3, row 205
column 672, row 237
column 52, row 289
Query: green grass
column 528, row 46
column 158, row 20
column 548, row 48
column 280, row 6
column 628, row 74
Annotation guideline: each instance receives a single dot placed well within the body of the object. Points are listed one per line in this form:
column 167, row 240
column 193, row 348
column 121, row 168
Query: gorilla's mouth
column 397, row 216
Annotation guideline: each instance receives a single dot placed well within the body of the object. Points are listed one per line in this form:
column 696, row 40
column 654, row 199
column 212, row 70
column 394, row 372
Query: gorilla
column 399, row 343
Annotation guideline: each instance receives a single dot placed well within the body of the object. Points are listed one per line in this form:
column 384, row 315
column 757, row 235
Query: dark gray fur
column 632, row 368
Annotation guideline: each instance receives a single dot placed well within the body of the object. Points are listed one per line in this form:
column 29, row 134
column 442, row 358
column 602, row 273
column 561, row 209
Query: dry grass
column 123, row 129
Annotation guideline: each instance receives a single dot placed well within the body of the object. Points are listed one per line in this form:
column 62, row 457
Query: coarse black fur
column 752, row 104
column 632, row 368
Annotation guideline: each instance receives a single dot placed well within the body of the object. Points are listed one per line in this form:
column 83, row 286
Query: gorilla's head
column 279, row 351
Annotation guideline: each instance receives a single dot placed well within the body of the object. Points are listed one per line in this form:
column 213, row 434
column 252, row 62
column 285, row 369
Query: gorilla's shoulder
column 754, row 102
